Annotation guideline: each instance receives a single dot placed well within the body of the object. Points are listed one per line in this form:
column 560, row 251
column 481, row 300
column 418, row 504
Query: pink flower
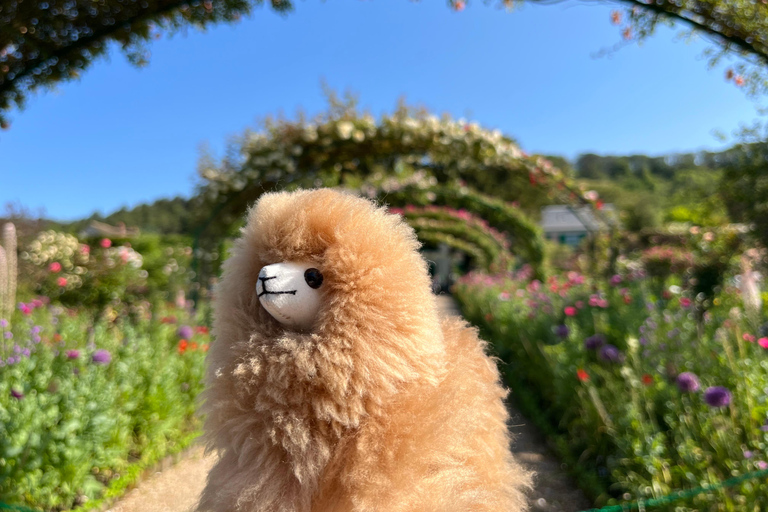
column 594, row 300
column 62, row 281
column 616, row 280
column 85, row 249
column 570, row 311
column 25, row 309
column 580, row 304
column 763, row 342
column 685, row 302
column 55, row 267
column 748, row 337
column 602, row 303
column 459, row 6
column 105, row 243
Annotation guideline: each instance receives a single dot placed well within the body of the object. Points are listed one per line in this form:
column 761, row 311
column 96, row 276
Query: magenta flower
column 18, row 395
column 55, row 267
column 101, row 356
column 570, row 311
column 762, row 465
column 74, row 354
column 105, row 243
column 717, row 396
column 687, row 382
column 616, row 280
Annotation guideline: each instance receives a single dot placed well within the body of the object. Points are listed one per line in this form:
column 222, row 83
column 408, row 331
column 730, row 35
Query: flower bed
column 641, row 395
column 81, row 401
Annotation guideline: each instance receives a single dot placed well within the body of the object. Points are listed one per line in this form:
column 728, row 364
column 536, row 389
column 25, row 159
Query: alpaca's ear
column 291, row 292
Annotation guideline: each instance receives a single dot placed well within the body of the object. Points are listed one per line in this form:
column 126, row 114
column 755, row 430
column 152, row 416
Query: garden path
column 177, row 488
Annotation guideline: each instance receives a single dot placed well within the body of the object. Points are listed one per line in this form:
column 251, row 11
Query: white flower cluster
column 51, row 246
column 123, row 255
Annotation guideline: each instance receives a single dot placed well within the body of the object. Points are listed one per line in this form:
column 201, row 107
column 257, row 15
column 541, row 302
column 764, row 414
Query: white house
column 569, row 225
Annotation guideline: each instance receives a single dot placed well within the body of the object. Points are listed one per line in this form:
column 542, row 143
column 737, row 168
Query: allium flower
column 594, row 342
column 18, row 395
column 611, row 354
column 717, row 396
column 8, row 335
column 562, row 331
column 101, row 356
column 74, row 354
column 687, row 382
column 185, row 332
column 3, row 323
column 747, row 454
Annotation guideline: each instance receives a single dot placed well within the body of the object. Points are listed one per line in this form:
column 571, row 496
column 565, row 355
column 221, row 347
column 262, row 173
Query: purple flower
column 562, row 331
column 35, row 329
column 762, row 465
column 616, row 280
column 3, row 323
column 185, row 332
column 611, row 354
column 8, row 335
column 717, row 396
column 687, row 382
column 594, row 342
column 101, row 356
column 36, row 338
column 643, row 340
column 18, row 395
column 74, row 354
column 25, row 352
column 747, row 454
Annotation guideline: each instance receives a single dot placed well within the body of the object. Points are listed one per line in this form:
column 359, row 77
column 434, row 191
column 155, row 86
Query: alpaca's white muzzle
column 291, row 293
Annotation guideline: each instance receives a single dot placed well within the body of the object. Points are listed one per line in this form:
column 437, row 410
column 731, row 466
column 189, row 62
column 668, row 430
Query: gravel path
column 177, row 488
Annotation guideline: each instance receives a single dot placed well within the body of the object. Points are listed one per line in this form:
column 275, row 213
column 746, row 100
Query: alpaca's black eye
column 313, row 277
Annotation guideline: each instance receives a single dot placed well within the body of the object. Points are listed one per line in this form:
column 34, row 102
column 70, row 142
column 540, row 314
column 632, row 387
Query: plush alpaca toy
column 333, row 386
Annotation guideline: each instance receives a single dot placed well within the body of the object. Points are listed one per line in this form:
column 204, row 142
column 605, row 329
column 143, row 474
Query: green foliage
column 601, row 364
column 745, row 188
column 164, row 216
column 79, row 402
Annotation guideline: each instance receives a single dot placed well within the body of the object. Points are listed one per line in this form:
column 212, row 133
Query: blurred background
column 588, row 179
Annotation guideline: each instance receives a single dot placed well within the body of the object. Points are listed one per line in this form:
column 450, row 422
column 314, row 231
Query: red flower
column 105, row 243
column 647, row 380
column 582, row 375
column 627, row 33
column 62, row 281
column 459, row 6
column 204, row 347
column 739, row 80
column 615, row 17
column 685, row 302
column 193, row 346
column 55, row 267
column 201, row 329
column 627, row 299
column 763, row 342
column 748, row 337
column 183, row 346
column 570, row 311
column 168, row 320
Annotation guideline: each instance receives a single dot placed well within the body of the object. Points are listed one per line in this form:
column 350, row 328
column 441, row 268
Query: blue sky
column 122, row 135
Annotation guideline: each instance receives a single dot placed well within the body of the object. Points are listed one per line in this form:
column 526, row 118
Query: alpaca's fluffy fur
column 381, row 407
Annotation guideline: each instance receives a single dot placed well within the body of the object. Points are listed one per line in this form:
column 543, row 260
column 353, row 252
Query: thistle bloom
column 594, row 342
column 717, row 396
column 611, row 354
column 101, row 356
column 687, row 382
column 185, row 332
